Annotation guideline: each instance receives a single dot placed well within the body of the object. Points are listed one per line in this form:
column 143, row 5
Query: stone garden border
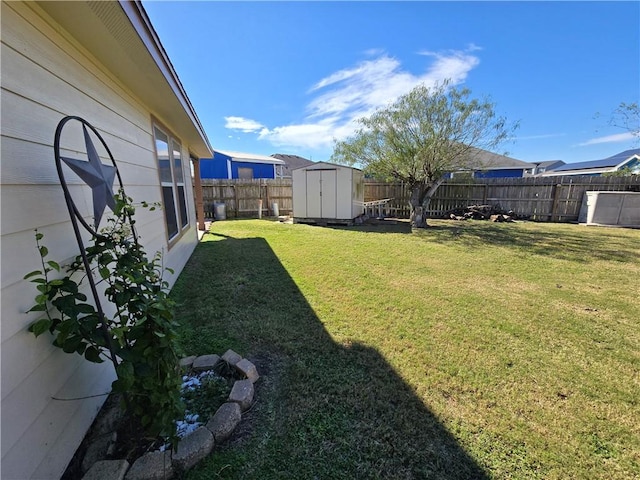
column 199, row 443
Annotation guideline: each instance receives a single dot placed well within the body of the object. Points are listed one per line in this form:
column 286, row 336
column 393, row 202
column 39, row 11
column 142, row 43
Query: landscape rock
column 151, row 466
column 205, row 362
column 187, row 362
column 225, row 420
column 248, row 369
column 107, row 470
column 231, row 357
column 98, row 450
column 193, row 448
column 109, row 417
column 242, row 393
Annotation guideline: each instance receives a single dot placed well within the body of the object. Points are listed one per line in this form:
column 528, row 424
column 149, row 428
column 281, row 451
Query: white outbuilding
column 326, row 192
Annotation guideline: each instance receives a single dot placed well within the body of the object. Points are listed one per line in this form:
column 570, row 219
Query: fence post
column 266, row 188
column 235, row 200
column 554, row 205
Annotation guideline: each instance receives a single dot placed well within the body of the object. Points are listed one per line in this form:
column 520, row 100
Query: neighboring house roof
column 546, row 166
column 609, row 164
column 494, row 161
column 291, row 162
column 107, row 29
column 485, row 160
column 549, row 164
column 250, row 157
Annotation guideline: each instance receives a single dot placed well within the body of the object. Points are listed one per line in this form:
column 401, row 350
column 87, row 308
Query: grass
column 469, row 350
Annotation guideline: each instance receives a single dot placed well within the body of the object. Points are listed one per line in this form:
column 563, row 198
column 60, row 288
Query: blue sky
column 290, row 77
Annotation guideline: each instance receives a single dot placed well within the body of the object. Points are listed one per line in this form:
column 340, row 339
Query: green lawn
column 469, row 350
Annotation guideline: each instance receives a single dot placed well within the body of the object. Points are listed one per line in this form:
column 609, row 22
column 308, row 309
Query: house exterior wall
column 46, row 75
column 260, row 170
column 500, row 173
column 213, row 168
column 633, row 165
column 221, row 166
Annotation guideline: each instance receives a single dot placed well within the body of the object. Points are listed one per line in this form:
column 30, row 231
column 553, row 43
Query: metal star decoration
column 98, row 176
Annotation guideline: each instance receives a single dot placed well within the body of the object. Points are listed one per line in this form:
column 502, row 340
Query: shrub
column 140, row 338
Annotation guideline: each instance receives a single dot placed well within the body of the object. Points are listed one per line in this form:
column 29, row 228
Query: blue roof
column 612, row 161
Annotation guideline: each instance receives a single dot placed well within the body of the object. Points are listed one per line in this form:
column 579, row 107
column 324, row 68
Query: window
column 245, row 173
column 174, row 200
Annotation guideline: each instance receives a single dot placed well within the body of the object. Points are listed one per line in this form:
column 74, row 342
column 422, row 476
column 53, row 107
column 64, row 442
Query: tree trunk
column 420, row 197
column 418, row 217
column 428, row 194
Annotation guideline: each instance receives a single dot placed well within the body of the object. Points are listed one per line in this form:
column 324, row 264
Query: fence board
column 555, row 199
column 241, row 197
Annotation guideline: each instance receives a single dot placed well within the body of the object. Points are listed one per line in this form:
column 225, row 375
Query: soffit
column 120, row 36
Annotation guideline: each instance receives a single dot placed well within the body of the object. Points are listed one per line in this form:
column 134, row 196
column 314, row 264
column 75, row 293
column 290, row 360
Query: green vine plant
column 141, row 334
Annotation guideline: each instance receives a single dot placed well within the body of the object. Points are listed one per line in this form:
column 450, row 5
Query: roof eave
column 142, row 24
column 628, row 160
column 120, row 37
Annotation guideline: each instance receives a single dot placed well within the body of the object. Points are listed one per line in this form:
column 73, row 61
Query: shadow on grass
column 323, row 410
column 580, row 244
column 378, row 226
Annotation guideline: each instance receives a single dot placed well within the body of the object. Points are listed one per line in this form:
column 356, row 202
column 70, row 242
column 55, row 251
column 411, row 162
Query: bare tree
column 627, row 117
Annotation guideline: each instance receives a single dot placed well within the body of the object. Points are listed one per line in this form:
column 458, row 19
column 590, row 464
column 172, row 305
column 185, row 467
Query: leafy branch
column 142, row 331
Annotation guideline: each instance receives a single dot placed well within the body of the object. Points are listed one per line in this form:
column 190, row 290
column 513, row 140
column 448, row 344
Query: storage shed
column 327, row 192
column 620, row 209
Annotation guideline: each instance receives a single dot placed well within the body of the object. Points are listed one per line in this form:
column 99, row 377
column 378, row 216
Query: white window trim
column 173, row 141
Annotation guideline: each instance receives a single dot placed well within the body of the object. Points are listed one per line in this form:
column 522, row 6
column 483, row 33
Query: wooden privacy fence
column 242, row 197
column 555, row 199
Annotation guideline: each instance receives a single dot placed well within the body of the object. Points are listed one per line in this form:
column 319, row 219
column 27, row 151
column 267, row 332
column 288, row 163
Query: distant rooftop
column 291, row 162
column 252, row 157
column 492, row 160
column 549, row 163
column 608, row 162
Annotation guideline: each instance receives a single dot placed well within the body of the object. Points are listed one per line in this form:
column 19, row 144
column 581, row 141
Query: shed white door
column 321, row 193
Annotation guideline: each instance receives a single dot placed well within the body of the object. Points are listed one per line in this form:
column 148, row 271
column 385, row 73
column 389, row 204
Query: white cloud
column 616, row 138
column 542, row 136
column 308, row 136
column 373, row 52
column 344, row 96
column 245, row 125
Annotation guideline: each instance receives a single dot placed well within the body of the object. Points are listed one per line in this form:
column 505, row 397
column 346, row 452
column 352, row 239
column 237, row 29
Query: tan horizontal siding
column 46, row 75
column 56, row 427
column 56, row 62
column 25, row 162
